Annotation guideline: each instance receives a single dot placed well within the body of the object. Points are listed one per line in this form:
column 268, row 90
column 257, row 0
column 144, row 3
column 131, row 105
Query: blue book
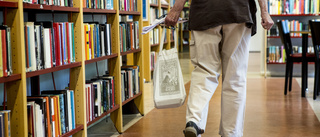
column 98, row 40
column 29, row 47
column 72, row 110
column 61, row 62
column 73, row 52
column 65, row 60
column 62, row 113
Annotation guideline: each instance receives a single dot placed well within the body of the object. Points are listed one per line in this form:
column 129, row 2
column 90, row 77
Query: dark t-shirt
column 205, row 14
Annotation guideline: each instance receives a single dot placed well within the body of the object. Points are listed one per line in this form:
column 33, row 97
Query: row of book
column 153, row 1
column 293, row 6
column 5, row 128
column 98, row 4
column 154, row 36
column 277, row 54
column 154, row 14
column 67, row 3
column 129, row 36
column 130, row 84
column 100, row 95
column 293, row 25
column 49, row 44
column 97, row 40
column 51, row 114
column 5, row 51
column 128, row 5
column 153, row 60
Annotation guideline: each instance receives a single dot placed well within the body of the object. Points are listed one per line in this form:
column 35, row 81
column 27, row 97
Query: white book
column 69, row 110
column 38, row 46
column 98, row 99
column 102, row 44
column 52, row 114
column 62, row 3
column 109, row 39
column 32, row 52
column 46, row 48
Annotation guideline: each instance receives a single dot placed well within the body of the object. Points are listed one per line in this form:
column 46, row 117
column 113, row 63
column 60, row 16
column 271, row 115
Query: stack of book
column 97, row 40
column 51, row 114
column 130, row 84
column 128, row 5
column 293, row 6
column 129, row 34
column 49, row 44
column 99, row 96
column 98, row 4
column 5, row 52
column 153, row 60
column 5, row 130
column 66, row 3
column 154, row 36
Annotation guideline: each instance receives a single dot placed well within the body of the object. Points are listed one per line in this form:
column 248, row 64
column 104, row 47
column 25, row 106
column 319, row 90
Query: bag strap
column 163, row 36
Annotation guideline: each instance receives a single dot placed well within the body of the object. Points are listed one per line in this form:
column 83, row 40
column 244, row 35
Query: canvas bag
column 168, row 85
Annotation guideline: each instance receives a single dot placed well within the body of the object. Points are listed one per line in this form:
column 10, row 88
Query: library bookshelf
column 146, row 38
column 16, row 84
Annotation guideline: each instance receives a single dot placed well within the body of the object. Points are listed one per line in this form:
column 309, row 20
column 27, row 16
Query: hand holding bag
column 169, row 91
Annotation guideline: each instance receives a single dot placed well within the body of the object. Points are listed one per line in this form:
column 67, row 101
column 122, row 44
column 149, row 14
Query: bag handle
column 163, row 36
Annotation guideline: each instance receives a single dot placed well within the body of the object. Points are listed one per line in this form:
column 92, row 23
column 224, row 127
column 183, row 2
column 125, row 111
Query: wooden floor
column 268, row 114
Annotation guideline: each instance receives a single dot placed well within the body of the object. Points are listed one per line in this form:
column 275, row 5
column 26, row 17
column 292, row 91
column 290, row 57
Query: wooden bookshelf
column 97, row 11
column 154, row 45
column 73, row 131
column 135, row 13
column 154, row 5
column 132, row 98
column 103, row 115
column 164, row 6
column 8, row 4
column 16, row 84
column 49, row 8
column 101, row 58
column 130, row 51
column 10, row 78
column 53, row 69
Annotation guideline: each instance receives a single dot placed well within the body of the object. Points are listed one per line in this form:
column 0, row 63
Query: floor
column 268, row 111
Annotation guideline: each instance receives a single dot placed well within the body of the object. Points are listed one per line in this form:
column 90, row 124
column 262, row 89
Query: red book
column 26, row 46
column 4, row 52
column 68, row 42
column 131, row 35
column 57, row 42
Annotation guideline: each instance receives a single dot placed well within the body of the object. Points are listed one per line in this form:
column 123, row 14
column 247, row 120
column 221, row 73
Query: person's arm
column 174, row 14
column 266, row 20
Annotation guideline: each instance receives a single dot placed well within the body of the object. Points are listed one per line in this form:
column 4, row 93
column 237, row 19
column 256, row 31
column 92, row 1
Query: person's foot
column 192, row 130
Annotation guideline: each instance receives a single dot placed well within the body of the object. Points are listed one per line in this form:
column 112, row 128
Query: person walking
column 219, row 45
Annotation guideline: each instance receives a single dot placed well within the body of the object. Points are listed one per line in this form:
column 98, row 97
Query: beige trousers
column 225, row 48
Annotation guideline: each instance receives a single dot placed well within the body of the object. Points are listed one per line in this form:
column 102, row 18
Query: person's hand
column 266, row 21
column 172, row 18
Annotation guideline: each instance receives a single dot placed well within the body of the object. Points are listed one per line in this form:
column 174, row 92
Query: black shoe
column 192, row 130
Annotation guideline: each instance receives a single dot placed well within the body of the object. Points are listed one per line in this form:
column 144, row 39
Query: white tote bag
column 168, row 82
